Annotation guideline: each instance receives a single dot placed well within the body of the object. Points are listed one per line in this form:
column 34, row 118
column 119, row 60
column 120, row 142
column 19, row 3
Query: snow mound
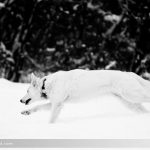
column 103, row 117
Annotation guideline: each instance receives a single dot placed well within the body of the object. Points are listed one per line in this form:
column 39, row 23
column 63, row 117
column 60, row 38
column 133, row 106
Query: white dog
column 73, row 85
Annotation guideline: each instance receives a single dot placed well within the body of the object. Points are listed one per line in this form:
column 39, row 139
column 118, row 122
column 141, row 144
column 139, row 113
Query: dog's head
column 34, row 92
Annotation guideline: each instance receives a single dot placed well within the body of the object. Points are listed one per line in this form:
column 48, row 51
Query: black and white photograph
column 75, row 70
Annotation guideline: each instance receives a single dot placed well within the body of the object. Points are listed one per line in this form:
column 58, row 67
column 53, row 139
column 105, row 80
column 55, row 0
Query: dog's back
column 83, row 83
column 79, row 83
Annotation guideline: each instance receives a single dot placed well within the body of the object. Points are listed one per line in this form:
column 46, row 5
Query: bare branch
column 38, row 66
column 110, row 31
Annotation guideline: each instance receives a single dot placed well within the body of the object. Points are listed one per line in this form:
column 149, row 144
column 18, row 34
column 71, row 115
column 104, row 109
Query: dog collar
column 43, row 93
column 43, row 85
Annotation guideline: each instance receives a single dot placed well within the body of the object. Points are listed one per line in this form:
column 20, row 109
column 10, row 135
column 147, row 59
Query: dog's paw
column 26, row 112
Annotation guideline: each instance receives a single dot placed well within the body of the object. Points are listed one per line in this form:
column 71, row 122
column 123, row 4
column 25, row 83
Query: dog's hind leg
column 136, row 107
column 46, row 106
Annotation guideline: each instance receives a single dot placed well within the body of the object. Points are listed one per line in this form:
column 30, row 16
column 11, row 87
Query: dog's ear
column 34, row 80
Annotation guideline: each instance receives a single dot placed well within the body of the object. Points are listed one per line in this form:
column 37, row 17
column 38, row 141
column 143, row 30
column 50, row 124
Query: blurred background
column 45, row 36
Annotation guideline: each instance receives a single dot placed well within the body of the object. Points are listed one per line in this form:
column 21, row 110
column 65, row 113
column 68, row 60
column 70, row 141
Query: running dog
column 73, row 85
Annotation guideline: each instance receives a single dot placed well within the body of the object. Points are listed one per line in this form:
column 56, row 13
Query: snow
column 102, row 118
column 2, row 5
column 112, row 18
column 79, row 149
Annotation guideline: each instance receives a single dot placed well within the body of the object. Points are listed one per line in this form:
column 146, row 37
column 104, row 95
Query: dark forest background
column 51, row 35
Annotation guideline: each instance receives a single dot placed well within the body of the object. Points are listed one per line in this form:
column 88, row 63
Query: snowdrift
column 101, row 118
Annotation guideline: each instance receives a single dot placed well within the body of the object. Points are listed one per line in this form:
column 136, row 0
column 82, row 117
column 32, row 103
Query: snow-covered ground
column 101, row 118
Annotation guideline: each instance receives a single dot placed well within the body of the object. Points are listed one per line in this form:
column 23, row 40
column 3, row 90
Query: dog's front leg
column 46, row 106
column 56, row 108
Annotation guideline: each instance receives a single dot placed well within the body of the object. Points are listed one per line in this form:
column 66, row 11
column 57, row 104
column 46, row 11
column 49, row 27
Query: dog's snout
column 26, row 101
